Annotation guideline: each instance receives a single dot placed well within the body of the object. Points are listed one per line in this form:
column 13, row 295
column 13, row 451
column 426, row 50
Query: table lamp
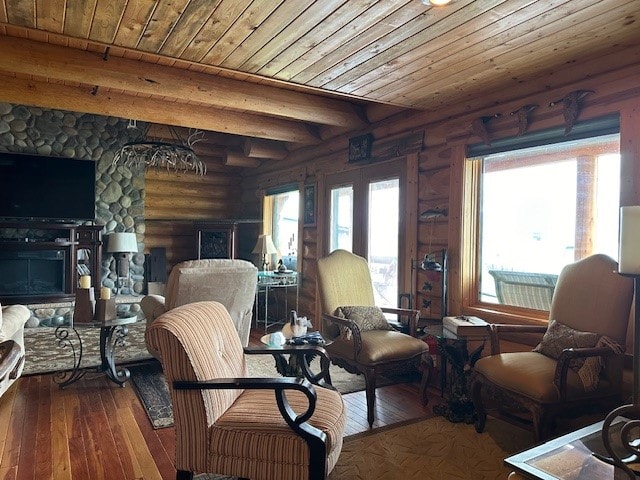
column 265, row 246
column 123, row 244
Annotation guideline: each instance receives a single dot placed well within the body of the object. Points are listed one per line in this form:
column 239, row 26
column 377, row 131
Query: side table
column 453, row 350
column 112, row 335
column 271, row 282
column 299, row 358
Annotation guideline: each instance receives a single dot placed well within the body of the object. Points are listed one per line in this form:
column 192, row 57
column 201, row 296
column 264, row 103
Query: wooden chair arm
column 356, row 335
column 564, row 361
column 279, row 386
column 497, row 329
column 9, row 358
column 413, row 317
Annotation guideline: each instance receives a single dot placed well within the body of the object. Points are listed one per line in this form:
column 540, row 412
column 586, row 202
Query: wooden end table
column 453, row 350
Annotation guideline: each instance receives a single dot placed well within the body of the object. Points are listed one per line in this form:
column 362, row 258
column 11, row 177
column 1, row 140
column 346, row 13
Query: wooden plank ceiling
column 271, row 76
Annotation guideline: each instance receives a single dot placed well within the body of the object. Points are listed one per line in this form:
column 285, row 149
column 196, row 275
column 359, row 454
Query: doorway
column 365, row 217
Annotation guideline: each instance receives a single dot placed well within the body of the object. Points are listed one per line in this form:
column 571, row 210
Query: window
column 539, row 209
column 285, row 208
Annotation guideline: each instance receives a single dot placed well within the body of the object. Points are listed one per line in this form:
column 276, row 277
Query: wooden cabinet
column 41, row 261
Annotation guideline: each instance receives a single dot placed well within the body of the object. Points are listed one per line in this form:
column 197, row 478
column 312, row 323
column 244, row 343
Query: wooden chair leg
column 370, row 383
column 184, row 475
column 481, row 413
column 426, row 366
column 542, row 421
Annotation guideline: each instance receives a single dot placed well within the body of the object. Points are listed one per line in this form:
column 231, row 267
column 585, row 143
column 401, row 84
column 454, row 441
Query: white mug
column 276, row 339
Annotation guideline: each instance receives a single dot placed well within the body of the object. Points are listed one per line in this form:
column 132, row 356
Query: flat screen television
column 37, row 187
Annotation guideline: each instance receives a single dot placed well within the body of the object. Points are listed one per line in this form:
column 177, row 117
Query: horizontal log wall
column 173, row 201
column 440, row 182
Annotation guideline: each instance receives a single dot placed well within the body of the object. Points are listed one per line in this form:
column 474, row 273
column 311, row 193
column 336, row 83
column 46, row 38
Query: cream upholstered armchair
column 579, row 359
column 12, row 320
column 363, row 342
column 257, row 428
column 230, row 282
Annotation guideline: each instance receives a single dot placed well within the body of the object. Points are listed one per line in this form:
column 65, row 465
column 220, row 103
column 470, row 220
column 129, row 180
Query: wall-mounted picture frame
column 309, row 213
column 216, row 243
column 360, row 148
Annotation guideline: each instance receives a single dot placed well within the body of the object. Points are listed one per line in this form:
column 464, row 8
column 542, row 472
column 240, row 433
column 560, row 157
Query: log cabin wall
column 175, row 202
column 440, row 171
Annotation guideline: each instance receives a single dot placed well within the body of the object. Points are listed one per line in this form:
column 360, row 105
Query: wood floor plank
column 121, row 439
column 44, row 464
column 125, row 432
column 26, row 465
column 60, row 455
column 95, row 430
column 138, row 444
column 6, row 407
column 163, row 459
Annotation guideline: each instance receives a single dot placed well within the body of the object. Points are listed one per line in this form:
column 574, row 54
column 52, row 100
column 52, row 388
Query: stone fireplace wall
column 119, row 190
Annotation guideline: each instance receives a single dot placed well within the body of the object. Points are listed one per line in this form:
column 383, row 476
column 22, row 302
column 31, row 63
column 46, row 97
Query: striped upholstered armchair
column 257, row 428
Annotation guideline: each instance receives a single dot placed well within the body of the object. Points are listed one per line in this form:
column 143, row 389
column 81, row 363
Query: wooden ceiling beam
column 258, row 148
column 18, row 55
column 235, row 159
column 82, row 99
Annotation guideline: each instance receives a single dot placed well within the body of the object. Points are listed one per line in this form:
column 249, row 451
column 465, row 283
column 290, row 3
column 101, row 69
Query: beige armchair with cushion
column 364, row 343
column 230, row 282
column 579, row 359
column 258, row 428
column 12, row 320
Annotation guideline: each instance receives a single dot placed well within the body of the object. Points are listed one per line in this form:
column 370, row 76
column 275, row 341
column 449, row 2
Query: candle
column 85, row 281
column 629, row 253
column 105, row 293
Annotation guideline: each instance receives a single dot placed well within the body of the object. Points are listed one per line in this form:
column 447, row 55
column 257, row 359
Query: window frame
column 268, row 211
column 469, row 278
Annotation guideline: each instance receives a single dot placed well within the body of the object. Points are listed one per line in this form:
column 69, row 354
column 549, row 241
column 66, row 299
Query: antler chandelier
column 176, row 156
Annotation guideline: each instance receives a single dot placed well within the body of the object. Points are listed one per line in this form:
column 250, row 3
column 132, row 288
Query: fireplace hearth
column 36, row 272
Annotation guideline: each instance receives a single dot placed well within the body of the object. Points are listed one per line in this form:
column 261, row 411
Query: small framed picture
column 360, row 148
column 309, row 214
column 215, row 243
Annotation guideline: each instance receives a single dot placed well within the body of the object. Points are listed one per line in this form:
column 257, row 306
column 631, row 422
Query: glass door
column 364, row 218
column 382, row 239
column 341, row 218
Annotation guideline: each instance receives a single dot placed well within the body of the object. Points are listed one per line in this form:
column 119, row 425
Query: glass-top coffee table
column 112, row 335
column 574, row 456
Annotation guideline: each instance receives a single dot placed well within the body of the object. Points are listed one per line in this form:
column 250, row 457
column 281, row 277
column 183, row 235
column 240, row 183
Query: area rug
column 151, row 386
column 433, row 449
column 43, row 355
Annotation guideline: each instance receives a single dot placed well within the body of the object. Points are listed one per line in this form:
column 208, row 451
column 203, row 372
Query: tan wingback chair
column 230, row 282
column 12, row 320
column 344, row 280
column 589, row 297
column 227, row 424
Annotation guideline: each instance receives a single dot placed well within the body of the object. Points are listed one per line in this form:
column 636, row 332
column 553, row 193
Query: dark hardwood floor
column 94, row 429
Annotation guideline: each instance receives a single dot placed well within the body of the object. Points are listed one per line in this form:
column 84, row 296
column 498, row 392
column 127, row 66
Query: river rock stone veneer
column 119, row 190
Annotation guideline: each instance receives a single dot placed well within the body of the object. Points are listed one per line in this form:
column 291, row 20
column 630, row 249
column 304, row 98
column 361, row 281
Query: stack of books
column 466, row 326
